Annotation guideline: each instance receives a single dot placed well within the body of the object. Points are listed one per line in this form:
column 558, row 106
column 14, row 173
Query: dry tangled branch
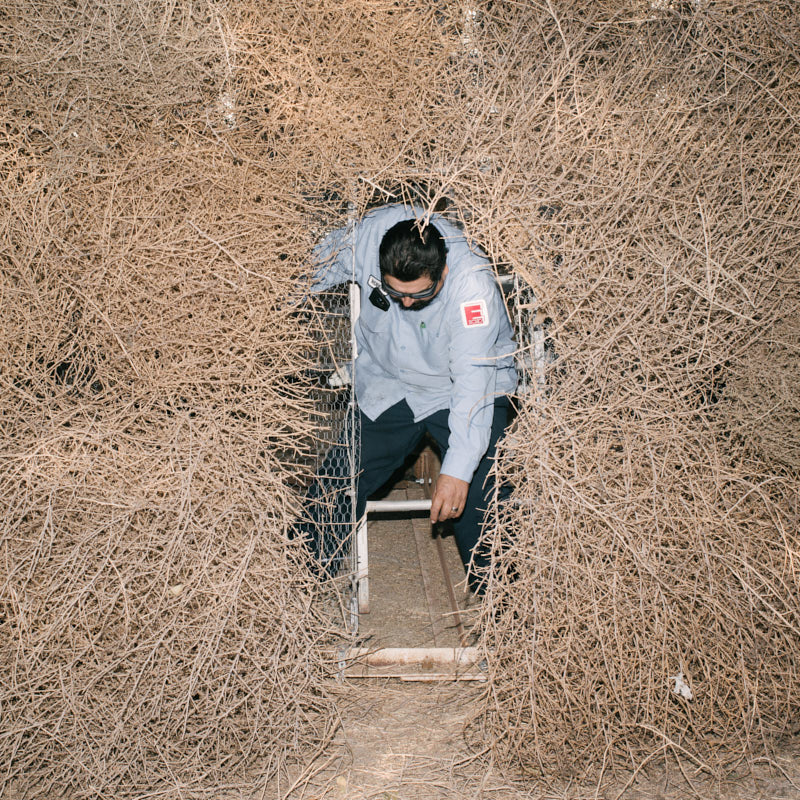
column 159, row 631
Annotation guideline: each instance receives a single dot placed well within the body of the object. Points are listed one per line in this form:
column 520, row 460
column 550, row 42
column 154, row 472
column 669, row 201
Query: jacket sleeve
column 333, row 258
column 475, row 322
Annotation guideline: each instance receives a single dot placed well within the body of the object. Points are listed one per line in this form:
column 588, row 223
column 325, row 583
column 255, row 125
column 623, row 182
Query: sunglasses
column 423, row 295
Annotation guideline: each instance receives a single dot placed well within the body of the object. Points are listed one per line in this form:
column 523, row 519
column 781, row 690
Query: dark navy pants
column 387, row 441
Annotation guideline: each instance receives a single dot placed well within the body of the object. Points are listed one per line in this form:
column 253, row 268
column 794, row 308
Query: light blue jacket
column 455, row 353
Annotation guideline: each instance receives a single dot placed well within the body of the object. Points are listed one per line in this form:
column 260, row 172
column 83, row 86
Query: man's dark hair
column 408, row 253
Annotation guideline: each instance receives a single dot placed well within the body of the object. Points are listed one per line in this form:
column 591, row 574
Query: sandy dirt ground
column 404, row 741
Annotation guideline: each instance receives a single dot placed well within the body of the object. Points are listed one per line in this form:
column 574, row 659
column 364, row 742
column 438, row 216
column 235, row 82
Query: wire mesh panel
column 534, row 349
column 329, row 509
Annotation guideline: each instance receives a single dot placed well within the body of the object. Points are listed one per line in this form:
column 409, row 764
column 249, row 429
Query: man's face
column 399, row 291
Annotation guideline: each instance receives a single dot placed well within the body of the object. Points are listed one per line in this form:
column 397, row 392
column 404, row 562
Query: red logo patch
column 474, row 314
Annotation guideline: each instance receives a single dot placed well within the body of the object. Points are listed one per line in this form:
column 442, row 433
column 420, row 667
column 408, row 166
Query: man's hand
column 449, row 498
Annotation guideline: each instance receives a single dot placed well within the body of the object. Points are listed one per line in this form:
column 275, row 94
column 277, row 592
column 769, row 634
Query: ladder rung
column 398, row 505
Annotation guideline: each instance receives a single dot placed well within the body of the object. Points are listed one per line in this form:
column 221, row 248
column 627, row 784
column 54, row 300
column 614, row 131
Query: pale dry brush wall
column 158, row 630
column 156, row 620
column 359, row 97
column 644, row 540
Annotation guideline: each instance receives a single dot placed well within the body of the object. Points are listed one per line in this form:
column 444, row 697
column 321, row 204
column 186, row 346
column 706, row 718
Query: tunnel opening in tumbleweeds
column 168, row 169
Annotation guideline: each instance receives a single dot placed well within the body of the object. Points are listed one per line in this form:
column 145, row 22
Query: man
column 434, row 354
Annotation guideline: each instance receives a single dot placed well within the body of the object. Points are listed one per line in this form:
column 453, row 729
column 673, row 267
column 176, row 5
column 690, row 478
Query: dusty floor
column 410, row 602
column 404, row 740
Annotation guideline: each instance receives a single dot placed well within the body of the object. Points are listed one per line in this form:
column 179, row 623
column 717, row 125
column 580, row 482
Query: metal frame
column 345, row 551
